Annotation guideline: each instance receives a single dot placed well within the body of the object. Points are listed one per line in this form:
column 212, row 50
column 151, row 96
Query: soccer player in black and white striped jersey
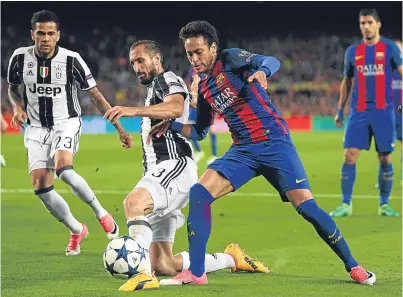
column 49, row 75
column 153, row 207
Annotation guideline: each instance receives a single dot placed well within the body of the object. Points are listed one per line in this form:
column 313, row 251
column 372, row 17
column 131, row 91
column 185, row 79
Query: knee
column 298, row 196
column 385, row 158
column 351, row 156
column 138, row 201
column 163, row 266
column 41, row 179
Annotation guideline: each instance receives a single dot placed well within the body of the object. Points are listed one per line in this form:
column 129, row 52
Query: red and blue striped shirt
column 245, row 107
column 372, row 68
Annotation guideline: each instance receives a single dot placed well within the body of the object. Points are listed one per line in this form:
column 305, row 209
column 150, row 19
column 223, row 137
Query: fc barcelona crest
column 44, row 71
column 220, row 79
column 379, row 55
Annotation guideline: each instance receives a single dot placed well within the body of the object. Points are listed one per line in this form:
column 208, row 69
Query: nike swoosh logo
column 330, row 236
column 186, row 283
column 299, row 180
column 359, row 57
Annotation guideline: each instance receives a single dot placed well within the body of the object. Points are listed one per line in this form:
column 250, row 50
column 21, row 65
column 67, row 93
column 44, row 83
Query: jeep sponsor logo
column 54, row 91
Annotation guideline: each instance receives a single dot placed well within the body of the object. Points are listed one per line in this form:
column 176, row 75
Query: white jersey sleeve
column 14, row 72
column 82, row 74
column 169, row 84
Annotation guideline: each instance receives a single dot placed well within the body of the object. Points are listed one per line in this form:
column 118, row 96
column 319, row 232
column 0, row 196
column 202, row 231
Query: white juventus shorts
column 42, row 143
column 169, row 183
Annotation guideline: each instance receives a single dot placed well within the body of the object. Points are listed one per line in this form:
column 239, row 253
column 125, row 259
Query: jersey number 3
column 159, row 173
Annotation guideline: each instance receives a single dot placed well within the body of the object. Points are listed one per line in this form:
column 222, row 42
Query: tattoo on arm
column 15, row 97
column 100, row 102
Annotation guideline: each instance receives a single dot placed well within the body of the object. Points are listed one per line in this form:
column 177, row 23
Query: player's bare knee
column 298, row 196
column 138, row 201
column 41, row 178
column 351, row 155
column 385, row 158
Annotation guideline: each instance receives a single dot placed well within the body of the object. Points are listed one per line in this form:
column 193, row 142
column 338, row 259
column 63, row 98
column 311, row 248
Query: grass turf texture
column 33, row 243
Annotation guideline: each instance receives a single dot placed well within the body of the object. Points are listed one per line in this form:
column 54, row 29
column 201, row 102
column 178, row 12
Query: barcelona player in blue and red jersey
column 370, row 65
column 234, row 87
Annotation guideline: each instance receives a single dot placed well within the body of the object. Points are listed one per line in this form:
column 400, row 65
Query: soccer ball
column 123, row 256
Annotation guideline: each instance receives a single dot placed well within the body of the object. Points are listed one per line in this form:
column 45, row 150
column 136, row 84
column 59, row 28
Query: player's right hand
column 126, row 139
column 19, row 119
column 158, row 130
column 339, row 119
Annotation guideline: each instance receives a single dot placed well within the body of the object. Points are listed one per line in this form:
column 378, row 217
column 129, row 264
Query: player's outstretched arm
column 266, row 66
column 171, row 108
column 20, row 117
column 100, row 102
column 198, row 131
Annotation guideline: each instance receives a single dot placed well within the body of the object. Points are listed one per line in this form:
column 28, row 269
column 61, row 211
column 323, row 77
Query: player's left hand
column 194, row 88
column 260, row 77
column 158, row 130
column 126, row 139
column 115, row 113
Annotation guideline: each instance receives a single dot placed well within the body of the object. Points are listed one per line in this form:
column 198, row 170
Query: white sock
column 59, row 208
column 213, row 262
column 81, row 189
column 140, row 229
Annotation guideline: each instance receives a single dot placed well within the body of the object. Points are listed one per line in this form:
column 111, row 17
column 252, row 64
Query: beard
column 151, row 75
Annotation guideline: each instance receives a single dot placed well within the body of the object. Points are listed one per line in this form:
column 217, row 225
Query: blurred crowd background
column 306, row 84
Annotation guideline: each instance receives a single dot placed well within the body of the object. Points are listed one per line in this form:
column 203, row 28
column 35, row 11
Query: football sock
column 59, row 208
column 385, row 181
column 81, row 189
column 199, row 227
column 140, row 229
column 213, row 262
column 213, row 137
column 328, row 231
column 347, row 181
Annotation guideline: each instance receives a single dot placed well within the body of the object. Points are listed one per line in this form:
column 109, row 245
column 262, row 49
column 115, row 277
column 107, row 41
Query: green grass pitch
column 32, row 243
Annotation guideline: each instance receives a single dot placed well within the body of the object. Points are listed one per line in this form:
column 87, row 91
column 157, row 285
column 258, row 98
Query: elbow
column 275, row 65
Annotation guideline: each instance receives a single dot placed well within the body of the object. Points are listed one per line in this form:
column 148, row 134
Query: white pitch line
column 124, row 192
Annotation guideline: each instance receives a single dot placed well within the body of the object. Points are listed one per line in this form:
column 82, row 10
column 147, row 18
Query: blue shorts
column 363, row 125
column 399, row 125
column 192, row 115
column 276, row 159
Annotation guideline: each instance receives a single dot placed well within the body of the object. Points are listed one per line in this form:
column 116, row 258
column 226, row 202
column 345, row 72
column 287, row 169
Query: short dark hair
column 151, row 47
column 370, row 12
column 199, row 28
column 44, row 16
